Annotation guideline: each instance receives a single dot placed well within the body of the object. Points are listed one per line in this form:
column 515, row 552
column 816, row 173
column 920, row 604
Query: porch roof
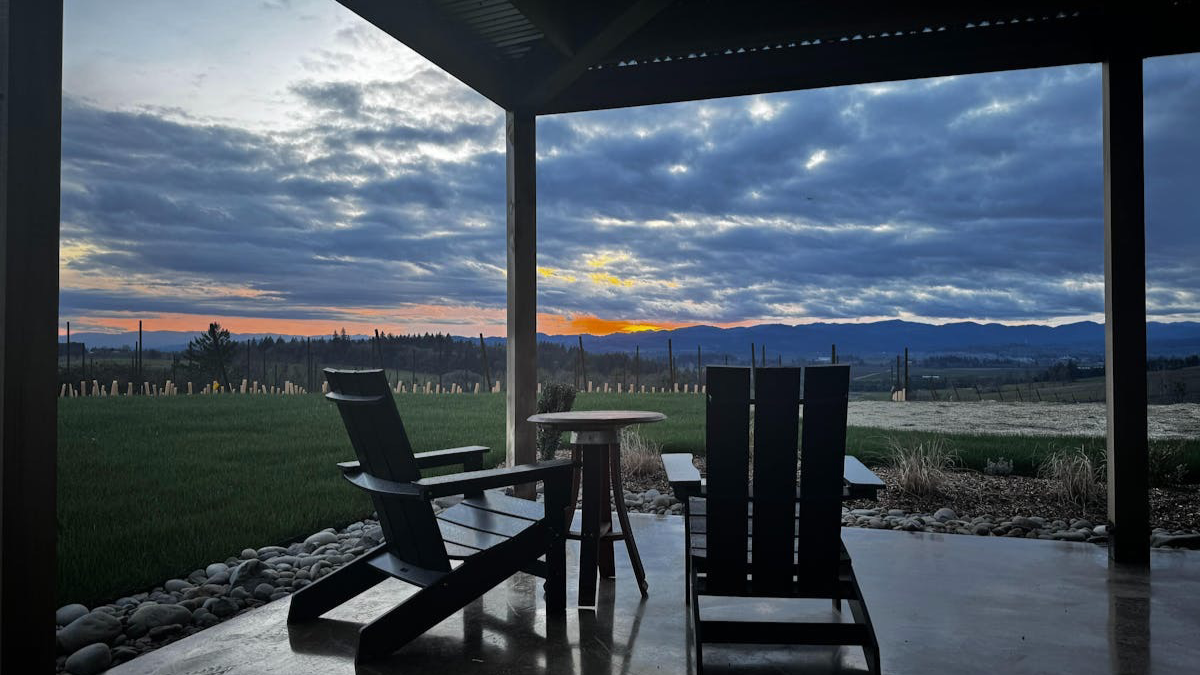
column 545, row 57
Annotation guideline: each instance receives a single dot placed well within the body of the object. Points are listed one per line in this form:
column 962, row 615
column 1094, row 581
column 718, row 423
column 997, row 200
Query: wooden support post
column 521, row 353
column 30, row 129
column 1125, row 311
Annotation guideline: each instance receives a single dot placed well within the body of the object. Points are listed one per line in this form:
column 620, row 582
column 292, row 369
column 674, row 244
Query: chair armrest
column 860, row 482
column 469, row 455
column 473, row 481
column 381, row 486
column 683, row 476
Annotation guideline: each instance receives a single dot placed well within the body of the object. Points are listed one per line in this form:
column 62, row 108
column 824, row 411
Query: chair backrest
column 377, row 433
column 795, row 540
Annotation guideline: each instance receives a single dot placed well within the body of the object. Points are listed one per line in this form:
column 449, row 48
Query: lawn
column 152, row 488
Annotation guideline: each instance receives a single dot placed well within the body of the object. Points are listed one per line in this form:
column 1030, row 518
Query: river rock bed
column 90, row 640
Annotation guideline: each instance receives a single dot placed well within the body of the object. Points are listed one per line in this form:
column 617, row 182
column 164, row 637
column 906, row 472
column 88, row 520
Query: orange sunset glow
column 465, row 321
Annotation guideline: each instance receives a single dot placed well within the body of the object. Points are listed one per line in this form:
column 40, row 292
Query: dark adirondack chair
column 768, row 537
column 494, row 535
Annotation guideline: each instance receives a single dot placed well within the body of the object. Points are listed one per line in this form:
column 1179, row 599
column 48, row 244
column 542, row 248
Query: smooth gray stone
column 1180, row 540
column 90, row 660
column 247, row 571
column 219, row 579
column 263, row 591
column 943, row 514
column 88, row 629
column 222, row 607
column 160, row 632
column 124, row 653
column 152, row 615
column 176, row 585
column 321, row 538
column 215, row 568
column 68, row 613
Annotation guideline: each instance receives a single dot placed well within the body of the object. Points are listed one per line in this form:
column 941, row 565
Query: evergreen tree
column 209, row 354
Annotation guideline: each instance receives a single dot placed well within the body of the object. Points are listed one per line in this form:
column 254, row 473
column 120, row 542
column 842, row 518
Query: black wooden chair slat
column 498, row 503
column 773, row 538
column 494, row 535
column 776, row 422
column 468, row 515
column 727, row 426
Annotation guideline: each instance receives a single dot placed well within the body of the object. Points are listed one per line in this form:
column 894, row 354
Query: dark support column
column 521, row 352
column 1125, row 311
column 30, row 128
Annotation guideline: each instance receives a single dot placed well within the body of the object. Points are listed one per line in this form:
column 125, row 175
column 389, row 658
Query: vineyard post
column 582, row 362
column 487, row 371
column 637, row 366
column 763, row 354
column 670, row 364
column 68, row 351
column 699, row 360
column 833, row 354
column 1000, row 392
column 906, row 380
column 139, row 351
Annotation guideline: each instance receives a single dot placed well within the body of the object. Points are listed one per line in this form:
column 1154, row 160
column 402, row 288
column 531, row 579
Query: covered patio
column 943, row 604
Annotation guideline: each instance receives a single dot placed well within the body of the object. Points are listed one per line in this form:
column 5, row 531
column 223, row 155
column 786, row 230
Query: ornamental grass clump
column 554, row 398
column 1078, row 476
column 640, row 456
column 1000, row 466
column 1167, row 464
column 921, row 469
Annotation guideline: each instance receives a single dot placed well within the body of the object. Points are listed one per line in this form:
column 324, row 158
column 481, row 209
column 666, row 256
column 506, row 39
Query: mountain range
column 1084, row 340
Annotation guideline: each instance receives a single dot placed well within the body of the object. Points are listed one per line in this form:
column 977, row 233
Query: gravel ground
column 971, row 493
column 1180, row 420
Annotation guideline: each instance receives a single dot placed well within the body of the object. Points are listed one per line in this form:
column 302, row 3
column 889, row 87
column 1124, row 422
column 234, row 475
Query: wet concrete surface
column 940, row 604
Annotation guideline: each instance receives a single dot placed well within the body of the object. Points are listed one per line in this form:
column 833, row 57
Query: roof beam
column 949, row 52
column 614, row 33
column 428, row 31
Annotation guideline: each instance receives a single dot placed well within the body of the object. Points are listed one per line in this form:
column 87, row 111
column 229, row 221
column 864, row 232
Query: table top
column 594, row 420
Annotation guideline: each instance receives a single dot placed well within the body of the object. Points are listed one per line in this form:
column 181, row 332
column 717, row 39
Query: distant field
column 151, row 488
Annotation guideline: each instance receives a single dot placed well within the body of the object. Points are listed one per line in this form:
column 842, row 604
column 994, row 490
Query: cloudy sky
column 284, row 166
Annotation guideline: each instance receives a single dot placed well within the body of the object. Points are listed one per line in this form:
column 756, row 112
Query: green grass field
column 151, row 488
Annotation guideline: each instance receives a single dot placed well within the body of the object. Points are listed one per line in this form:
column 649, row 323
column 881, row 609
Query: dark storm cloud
column 967, row 197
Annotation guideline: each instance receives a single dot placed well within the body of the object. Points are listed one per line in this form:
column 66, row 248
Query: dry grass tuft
column 921, row 468
column 640, row 457
column 1078, row 475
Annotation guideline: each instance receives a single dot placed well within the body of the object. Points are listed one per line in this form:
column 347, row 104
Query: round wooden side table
column 595, row 434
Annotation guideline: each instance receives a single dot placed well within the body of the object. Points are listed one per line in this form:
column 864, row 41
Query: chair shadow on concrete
column 504, row 627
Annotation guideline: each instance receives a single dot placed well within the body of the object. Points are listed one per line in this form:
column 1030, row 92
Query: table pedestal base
column 600, row 475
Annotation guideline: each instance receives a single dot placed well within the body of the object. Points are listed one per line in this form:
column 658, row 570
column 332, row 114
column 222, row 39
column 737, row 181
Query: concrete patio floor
column 941, row 604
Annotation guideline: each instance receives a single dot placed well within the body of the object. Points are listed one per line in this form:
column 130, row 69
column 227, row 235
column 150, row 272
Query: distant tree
column 209, row 354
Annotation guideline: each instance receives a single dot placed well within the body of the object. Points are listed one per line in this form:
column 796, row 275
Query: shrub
column 640, row 456
column 1077, row 474
column 1167, row 465
column 921, row 468
column 998, row 467
column 554, row 398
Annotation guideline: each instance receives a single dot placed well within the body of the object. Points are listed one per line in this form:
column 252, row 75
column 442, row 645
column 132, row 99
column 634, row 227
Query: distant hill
column 1084, row 340
column 884, row 338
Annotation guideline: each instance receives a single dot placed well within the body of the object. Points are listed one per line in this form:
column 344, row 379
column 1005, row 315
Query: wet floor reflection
column 1129, row 619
